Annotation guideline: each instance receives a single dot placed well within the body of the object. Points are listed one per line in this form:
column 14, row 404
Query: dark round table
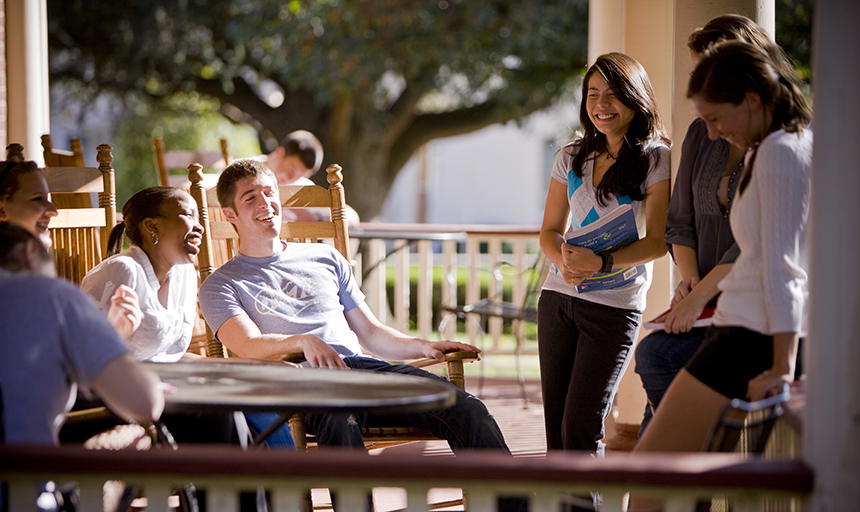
column 277, row 387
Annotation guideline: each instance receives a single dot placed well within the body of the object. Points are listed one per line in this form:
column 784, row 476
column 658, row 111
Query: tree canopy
column 374, row 79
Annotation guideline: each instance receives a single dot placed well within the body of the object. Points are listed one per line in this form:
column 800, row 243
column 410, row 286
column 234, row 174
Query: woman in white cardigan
column 751, row 351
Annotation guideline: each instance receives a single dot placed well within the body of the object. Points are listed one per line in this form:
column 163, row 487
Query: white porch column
column 648, row 39
column 643, row 30
column 27, row 75
column 831, row 440
column 605, row 27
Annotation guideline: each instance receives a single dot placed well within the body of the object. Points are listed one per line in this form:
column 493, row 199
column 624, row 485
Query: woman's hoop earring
column 154, row 238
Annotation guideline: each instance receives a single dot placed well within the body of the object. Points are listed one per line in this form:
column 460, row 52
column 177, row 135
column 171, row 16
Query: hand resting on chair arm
column 393, row 345
column 242, row 337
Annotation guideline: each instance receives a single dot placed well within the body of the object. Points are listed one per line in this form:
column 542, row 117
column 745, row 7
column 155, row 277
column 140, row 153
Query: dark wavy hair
column 10, row 172
column 730, row 70
column 148, row 203
column 246, row 168
column 734, row 27
column 632, row 87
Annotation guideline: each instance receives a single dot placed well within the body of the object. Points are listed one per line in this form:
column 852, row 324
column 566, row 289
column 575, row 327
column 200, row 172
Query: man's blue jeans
column 465, row 425
column 659, row 357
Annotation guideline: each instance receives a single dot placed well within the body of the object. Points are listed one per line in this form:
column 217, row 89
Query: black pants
column 465, row 425
column 584, row 349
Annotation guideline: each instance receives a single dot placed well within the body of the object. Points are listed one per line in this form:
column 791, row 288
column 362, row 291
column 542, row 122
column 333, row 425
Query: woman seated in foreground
column 165, row 234
column 751, row 351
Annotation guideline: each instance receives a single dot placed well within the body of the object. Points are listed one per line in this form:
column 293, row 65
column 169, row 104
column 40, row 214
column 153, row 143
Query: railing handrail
column 697, row 470
column 492, row 229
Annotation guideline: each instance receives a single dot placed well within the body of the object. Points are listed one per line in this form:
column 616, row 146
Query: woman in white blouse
column 162, row 225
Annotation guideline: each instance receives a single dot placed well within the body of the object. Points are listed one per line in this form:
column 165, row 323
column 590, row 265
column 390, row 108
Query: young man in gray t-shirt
column 275, row 298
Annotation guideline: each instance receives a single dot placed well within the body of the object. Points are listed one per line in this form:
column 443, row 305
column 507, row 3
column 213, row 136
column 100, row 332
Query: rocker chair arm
column 295, row 358
column 466, row 356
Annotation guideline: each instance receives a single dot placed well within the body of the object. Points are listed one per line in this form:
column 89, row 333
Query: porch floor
column 521, row 423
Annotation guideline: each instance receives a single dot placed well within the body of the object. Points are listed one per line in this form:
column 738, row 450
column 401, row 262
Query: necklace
column 609, row 155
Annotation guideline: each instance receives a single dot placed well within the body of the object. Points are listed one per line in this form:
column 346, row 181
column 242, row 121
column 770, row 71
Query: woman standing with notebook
column 585, row 337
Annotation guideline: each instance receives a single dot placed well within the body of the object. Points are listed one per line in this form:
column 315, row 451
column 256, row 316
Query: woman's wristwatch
column 606, row 256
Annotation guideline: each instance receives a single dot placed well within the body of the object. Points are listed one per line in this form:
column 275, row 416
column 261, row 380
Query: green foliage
column 794, row 32
column 374, row 79
column 331, row 47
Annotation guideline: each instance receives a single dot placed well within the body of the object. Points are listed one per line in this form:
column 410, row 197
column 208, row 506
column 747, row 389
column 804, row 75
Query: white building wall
column 497, row 175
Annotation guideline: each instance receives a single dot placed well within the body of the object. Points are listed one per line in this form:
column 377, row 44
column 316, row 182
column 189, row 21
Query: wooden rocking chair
column 181, row 159
column 80, row 235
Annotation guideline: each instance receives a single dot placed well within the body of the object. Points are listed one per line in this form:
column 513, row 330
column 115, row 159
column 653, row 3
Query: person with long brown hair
column 751, row 351
column 585, row 338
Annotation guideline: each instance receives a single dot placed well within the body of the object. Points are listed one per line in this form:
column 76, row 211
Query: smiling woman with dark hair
column 24, row 199
column 697, row 230
column 751, row 351
column 585, row 338
column 162, row 225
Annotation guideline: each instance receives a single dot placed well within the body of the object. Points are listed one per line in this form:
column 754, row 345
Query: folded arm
column 687, row 308
column 555, row 219
column 652, row 245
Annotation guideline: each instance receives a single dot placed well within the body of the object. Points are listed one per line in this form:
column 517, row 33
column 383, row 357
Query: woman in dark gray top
column 701, row 243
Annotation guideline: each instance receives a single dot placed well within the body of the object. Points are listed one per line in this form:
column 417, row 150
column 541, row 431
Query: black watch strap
column 606, row 256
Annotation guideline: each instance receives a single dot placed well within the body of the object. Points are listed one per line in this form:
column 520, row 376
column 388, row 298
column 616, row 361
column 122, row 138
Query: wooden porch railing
column 482, row 247
column 223, row 472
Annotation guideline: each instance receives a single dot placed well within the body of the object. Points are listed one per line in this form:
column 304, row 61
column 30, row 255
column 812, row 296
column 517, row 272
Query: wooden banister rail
column 224, row 471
